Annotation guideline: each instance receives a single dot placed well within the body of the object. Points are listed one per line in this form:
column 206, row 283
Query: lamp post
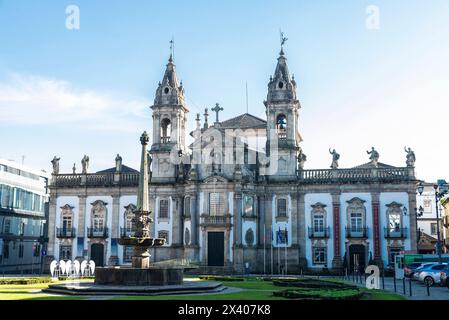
column 441, row 189
column 419, row 213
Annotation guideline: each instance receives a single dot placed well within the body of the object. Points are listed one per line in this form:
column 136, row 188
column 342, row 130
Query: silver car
column 420, row 268
column 431, row 274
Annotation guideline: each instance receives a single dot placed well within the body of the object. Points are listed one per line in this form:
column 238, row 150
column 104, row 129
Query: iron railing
column 357, row 232
column 395, row 233
column 65, row 233
column 319, row 233
column 215, row 220
column 97, row 232
column 127, row 232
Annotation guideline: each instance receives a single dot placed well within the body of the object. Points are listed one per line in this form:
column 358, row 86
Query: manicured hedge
column 348, row 294
column 312, row 284
column 221, row 278
column 25, row 280
column 82, row 277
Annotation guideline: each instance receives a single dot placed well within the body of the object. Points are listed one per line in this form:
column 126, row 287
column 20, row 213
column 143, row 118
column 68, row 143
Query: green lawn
column 251, row 289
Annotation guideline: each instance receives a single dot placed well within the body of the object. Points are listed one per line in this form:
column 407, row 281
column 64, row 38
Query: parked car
column 444, row 276
column 410, row 270
column 431, row 274
column 419, row 269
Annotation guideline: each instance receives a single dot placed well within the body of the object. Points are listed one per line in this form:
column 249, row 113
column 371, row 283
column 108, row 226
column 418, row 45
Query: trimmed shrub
column 349, row 294
column 25, row 280
column 221, row 278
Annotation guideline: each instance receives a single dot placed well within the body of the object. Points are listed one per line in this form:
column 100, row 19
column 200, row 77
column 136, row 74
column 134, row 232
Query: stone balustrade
column 356, row 175
column 95, row 180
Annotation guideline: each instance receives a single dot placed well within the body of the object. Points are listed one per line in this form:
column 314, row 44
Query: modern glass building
column 23, row 212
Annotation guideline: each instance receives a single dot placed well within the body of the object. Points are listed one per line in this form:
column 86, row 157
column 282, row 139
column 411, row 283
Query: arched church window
column 281, row 126
column 166, row 90
column 165, row 130
column 280, row 84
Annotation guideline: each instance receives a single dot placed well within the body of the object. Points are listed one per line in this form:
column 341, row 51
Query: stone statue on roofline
column 85, row 164
column 118, row 163
column 302, row 158
column 74, row 168
column 335, row 158
column 411, row 158
column 374, row 156
column 55, row 163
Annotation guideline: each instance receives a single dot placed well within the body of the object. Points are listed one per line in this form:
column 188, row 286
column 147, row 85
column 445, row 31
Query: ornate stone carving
column 335, row 158
column 411, row 158
column 67, row 209
column 302, row 158
column 249, row 237
column 118, row 163
column 85, row 164
column 374, row 156
column 55, row 163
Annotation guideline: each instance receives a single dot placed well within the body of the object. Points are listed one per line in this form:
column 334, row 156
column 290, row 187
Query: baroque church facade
column 238, row 198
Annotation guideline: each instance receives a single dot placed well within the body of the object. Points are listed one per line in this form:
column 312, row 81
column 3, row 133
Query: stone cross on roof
column 217, row 109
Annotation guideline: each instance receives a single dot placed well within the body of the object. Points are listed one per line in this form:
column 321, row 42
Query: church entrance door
column 215, row 249
column 357, row 256
column 97, row 254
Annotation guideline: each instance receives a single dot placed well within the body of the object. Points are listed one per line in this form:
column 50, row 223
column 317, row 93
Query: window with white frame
column 319, row 255
column 318, row 222
column 394, row 221
column 281, row 207
column 163, row 209
column 356, row 222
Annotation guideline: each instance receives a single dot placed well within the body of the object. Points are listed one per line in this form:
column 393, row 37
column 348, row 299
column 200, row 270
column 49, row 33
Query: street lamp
column 441, row 189
column 419, row 213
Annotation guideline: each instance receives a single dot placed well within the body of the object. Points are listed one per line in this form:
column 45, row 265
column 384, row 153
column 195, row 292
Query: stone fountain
column 141, row 278
column 141, row 272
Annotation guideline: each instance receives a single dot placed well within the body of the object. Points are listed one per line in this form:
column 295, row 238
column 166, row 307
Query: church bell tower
column 282, row 109
column 169, row 125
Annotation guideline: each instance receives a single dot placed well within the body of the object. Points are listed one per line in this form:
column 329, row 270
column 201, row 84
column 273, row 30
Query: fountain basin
column 128, row 276
column 141, row 242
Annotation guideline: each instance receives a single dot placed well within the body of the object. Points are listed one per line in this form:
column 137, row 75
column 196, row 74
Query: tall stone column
column 83, row 219
column 294, row 219
column 376, row 229
column 238, row 218
column 412, row 224
column 261, row 218
column 301, row 234
column 336, row 261
column 115, row 230
column 51, row 225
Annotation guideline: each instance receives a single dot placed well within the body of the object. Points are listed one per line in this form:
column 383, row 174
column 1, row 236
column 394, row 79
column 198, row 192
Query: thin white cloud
column 31, row 99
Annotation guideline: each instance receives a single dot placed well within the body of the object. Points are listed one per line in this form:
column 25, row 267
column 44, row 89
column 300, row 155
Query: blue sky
column 74, row 92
